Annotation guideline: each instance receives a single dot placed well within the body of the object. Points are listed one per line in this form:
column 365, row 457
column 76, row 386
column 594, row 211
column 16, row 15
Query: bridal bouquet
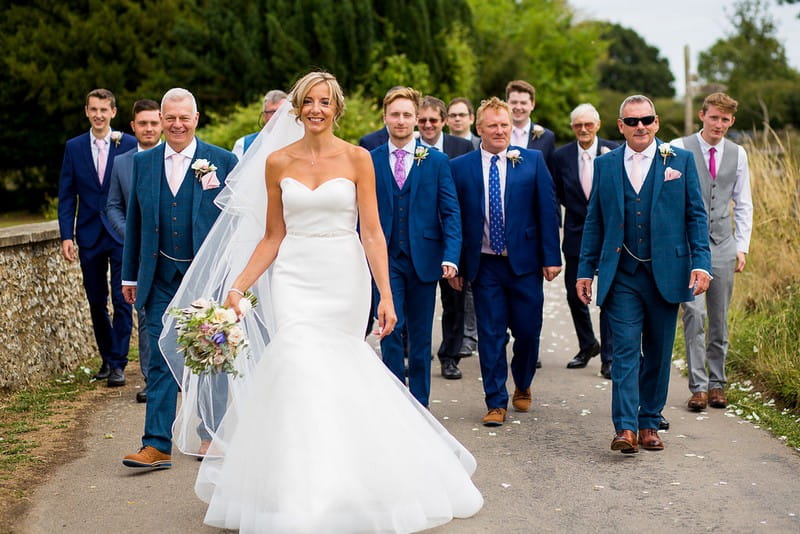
column 209, row 334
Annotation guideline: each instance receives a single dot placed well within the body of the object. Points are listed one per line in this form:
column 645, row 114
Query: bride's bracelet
column 237, row 291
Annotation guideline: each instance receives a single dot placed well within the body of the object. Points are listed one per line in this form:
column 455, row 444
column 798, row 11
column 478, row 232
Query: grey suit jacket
column 119, row 189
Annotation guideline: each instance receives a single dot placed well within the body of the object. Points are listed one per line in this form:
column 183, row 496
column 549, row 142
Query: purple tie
column 712, row 163
column 400, row 167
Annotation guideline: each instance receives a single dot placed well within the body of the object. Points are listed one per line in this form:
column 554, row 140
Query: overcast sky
column 669, row 26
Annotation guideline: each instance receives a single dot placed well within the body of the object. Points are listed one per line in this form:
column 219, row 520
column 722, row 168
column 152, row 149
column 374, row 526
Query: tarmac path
column 549, row 470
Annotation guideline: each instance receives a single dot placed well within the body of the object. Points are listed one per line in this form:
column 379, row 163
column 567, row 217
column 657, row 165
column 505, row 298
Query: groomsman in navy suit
column 170, row 211
column 572, row 173
column 83, row 186
column 521, row 97
column 646, row 235
column 430, row 122
column 146, row 126
column 421, row 221
column 510, row 244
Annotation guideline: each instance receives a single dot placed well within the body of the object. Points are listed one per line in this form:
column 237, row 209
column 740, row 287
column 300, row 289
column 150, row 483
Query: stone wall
column 45, row 325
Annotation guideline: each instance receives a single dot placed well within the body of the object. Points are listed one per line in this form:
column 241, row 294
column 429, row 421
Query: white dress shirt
column 742, row 196
column 438, row 145
column 486, row 161
column 408, row 158
column 188, row 156
column 106, row 139
column 520, row 136
column 649, row 153
column 592, row 151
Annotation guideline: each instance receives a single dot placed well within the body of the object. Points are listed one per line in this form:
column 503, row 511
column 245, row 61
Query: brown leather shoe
column 521, row 400
column 494, row 417
column 698, row 401
column 716, row 398
column 148, row 457
column 649, row 440
column 625, row 441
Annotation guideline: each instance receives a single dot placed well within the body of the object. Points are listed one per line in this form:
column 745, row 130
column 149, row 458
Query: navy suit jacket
column 569, row 191
column 79, row 188
column 434, row 219
column 545, row 142
column 678, row 224
column 531, row 215
column 119, row 191
column 373, row 140
column 140, row 255
column 456, row 146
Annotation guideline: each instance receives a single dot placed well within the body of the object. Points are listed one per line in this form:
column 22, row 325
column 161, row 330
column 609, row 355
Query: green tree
column 632, row 65
column 536, row 40
column 751, row 63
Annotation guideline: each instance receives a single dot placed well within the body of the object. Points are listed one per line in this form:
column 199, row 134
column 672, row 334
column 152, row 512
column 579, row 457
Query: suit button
column 174, row 218
column 640, row 240
column 638, row 200
column 155, row 255
column 618, row 249
column 174, row 204
column 638, row 213
column 620, row 227
column 639, row 226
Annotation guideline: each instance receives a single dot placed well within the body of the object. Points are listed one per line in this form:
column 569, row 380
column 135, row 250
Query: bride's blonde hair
column 304, row 85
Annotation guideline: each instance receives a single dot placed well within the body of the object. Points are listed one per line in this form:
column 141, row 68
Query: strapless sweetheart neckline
column 321, row 183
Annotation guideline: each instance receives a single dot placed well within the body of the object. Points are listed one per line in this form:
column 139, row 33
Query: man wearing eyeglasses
column 460, row 118
column 573, row 165
column 430, row 122
column 272, row 101
column 646, row 235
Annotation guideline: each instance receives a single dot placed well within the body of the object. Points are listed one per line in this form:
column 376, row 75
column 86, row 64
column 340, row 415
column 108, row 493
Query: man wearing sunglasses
column 272, row 101
column 646, row 235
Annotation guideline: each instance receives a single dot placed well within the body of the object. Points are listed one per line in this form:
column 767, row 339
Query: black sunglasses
column 647, row 120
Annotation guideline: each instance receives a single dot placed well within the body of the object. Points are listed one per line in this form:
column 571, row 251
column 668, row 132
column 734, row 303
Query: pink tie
column 636, row 172
column 586, row 173
column 712, row 163
column 175, row 175
column 400, row 167
column 102, row 158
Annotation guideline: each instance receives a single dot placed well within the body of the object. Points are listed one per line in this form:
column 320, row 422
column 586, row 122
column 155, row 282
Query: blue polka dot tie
column 497, row 237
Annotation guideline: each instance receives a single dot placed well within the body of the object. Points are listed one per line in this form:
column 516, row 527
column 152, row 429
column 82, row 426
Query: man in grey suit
column 170, row 212
column 724, row 179
column 146, row 126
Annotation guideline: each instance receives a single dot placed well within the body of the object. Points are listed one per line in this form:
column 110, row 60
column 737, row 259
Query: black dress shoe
column 663, row 424
column 450, row 370
column 539, row 363
column 605, row 370
column 116, row 378
column 582, row 358
column 103, row 373
column 141, row 396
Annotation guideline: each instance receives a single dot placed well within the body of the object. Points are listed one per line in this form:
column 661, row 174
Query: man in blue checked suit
column 510, row 244
column 83, row 186
column 420, row 218
column 646, row 235
column 170, row 211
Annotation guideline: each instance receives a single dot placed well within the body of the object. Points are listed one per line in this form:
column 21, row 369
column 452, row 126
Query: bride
column 318, row 435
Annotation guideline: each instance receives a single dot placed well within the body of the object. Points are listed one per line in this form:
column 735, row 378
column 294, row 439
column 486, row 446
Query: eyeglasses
column 458, row 115
column 269, row 113
column 423, row 120
column 582, row 125
column 647, row 120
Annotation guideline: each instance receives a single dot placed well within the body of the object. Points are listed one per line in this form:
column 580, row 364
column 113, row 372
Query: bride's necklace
column 313, row 157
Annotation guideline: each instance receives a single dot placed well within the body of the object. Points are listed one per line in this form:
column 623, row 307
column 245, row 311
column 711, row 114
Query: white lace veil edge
column 222, row 256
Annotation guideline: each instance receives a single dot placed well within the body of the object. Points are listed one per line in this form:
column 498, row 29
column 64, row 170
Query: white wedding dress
column 326, row 439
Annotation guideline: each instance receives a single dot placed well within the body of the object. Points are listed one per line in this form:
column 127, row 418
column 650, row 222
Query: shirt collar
column 438, row 145
column 648, row 152
column 705, row 145
column 187, row 152
column 140, row 149
column 106, row 138
column 409, row 147
column 525, row 129
column 592, row 150
column 486, row 156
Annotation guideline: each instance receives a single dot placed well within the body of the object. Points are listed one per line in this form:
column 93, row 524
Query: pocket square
column 671, row 174
column 210, row 181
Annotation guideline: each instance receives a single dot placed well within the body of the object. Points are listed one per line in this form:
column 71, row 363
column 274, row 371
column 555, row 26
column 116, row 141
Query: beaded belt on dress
column 338, row 233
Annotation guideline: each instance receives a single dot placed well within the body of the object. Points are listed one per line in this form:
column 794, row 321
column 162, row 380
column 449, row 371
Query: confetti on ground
column 690, row 454
column 516, row 422
column 492, row 433
column 598, row 488
column 505, row 485
column 674, row 483
column 585, row 412
column 108, row 436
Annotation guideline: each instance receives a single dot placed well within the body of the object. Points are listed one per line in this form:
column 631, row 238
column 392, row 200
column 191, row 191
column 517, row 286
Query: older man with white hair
column 572, row 173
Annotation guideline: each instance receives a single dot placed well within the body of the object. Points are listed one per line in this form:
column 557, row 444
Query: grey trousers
column 705, row 353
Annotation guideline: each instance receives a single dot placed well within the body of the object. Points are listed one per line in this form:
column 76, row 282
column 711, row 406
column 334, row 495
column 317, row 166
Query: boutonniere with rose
column 666, row 151
column 116, row 137
column 420, row 153
column 538, row 131
column 514, row 157
column 205, row 172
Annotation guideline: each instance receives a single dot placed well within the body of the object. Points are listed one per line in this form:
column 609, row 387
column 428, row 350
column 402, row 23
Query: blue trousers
column 505, row 300
column 113, row 335
column 643, row 326
column 414, row 301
